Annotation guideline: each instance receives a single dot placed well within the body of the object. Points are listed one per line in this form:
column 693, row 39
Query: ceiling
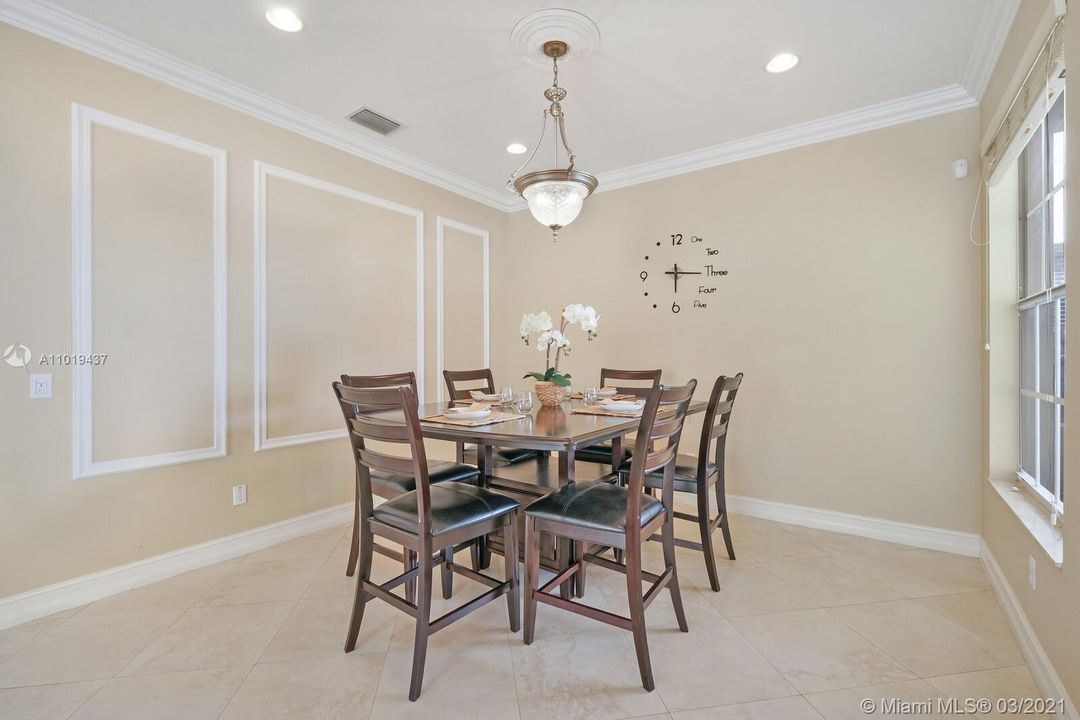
column 667, row 78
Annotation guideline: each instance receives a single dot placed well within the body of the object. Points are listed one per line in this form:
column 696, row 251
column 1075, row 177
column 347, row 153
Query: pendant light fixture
column 555, row 196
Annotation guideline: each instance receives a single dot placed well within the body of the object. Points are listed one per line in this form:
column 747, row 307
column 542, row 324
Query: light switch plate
column 40, row 386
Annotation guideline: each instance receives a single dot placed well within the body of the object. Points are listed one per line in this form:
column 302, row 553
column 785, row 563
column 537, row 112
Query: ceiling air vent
column 374, row 121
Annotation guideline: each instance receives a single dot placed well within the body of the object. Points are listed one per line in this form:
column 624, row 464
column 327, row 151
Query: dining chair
column 483, row 381
column 431, row 518
column 390, row 485
column 698, row 475
column 604, row 452
column 616, row 516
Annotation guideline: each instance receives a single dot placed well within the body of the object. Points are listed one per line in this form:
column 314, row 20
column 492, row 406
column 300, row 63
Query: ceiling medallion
column 555, row 196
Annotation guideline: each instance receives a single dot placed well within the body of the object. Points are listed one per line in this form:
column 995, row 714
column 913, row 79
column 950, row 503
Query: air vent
column 374, row 121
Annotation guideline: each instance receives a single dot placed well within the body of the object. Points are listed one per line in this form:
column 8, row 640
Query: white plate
column 623, row 407
column 469, row 415
column 485, row 397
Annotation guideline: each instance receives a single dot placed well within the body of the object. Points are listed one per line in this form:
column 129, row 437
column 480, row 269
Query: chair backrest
column 363, row 408
column 661, row 420
column 481, row 380
column 651, row 377
column 351, row 410
column 715, row 425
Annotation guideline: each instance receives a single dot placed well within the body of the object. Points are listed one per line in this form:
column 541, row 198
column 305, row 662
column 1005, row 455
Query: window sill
column 1035, row 517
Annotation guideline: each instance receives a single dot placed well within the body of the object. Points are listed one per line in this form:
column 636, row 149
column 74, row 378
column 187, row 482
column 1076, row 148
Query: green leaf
column 534, row 376
column 561, row 380
column 549, row 374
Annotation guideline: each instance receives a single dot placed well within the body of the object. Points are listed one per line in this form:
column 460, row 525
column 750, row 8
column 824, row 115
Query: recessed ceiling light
column 782, row 62
column 516, row 148
column 284, row 19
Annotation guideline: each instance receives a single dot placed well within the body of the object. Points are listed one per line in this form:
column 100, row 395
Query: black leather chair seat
column 685, row 474
column 385, row 484
column 454, row 505
column 506, row 456
column 597, row 505
column 599, row 453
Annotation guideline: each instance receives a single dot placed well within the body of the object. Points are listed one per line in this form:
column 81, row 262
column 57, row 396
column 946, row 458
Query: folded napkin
column 477, row 395
column 613, row 401
column 607, row 389
column 474, row 408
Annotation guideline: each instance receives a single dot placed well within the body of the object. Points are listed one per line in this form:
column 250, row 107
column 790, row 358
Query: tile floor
column 807, row 625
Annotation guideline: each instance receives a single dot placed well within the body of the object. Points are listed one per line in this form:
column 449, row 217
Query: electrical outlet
column 1031, row 571
column 40, row 386
column 239, row 495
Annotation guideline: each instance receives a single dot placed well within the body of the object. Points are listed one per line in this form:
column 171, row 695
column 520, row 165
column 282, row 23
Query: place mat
column 601, row 410
column 496, row 416
column 577, row 395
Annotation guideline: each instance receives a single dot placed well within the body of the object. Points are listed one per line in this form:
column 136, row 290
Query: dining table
column 561, row 430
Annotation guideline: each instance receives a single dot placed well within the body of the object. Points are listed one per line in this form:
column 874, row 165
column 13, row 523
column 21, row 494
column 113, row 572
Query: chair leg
column 703, row 520
column 565, row 550
column 354, row 548
column 579, row 557
column 510, row 560
column 637, row 615
column 448, row 572
column 423, row 618
column 409, row 563
column 725, row 528
column 667, row 533
column 532, row 576
column 360, row 601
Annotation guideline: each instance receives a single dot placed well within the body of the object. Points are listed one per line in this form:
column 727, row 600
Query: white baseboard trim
column 1042, row 670
column 951, row 541
column 78, row 591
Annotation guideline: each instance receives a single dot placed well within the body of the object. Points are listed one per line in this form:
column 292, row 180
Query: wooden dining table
column 547, row 430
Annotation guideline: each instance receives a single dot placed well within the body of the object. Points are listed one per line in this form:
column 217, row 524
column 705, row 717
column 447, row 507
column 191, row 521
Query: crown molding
column 872, row 117
column 995, row 20
column 49, row 21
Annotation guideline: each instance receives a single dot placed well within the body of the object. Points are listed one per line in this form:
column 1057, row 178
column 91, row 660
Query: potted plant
column 552, row 386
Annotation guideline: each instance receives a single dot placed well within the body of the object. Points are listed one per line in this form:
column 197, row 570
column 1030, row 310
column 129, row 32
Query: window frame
column 1051, row 295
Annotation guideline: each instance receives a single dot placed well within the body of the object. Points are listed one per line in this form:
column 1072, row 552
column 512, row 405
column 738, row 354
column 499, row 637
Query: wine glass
column 506, row 396
column 589, row 396
column 524, row 402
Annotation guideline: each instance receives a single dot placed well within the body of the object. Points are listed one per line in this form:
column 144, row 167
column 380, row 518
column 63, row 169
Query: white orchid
column 534, row 322
column 548, row 337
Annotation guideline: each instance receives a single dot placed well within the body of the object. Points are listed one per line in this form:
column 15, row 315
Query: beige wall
column 53, row 527
column 1051, row 607
column 852, row 306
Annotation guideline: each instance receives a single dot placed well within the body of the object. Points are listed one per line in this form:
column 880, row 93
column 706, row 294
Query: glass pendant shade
column 555, row 203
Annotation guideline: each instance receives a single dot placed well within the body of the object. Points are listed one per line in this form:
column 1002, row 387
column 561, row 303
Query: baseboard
column 1042, row 670
column 78, row 591
column 950, row 541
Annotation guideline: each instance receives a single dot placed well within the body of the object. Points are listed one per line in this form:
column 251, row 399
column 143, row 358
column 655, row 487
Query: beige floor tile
column 914, row 698
column 317, row 626
column 176, row 593
column 212, row 637
column 315, row 545
column 921, row 573
column 711, row 665
column 16, row 638
column 765, row 543
column 752, row 589
column 817, row 652
column 1014, row 682
column 790, row 708
column 844, row 545
column 979, row 612
column 691, row 564
column 925, row 642
column 84, row 648
column 340, row 688
column 552, row 621
column 591, row 676
column 830, row 582
column 331, row 579
column 263, row 581
column 465, row 681
column 195, row 695
column 661, row 614
column 45, row 702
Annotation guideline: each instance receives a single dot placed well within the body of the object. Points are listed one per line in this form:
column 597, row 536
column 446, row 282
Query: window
column 1041, row 306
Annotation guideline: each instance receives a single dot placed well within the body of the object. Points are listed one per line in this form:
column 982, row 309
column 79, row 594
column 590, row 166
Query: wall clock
column 683, row 269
